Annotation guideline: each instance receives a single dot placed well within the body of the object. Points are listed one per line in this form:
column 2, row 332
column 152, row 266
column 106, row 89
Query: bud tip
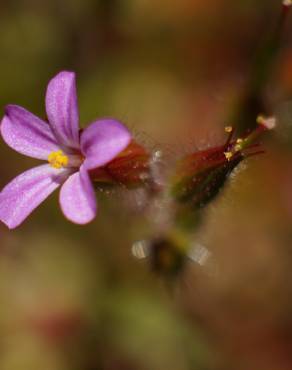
column 287, row 2
column 268, row 122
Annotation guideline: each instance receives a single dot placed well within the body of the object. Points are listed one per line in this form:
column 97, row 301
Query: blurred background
column 75, row 298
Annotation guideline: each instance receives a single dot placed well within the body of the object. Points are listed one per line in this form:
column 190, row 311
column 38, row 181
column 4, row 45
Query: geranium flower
column 70, row 153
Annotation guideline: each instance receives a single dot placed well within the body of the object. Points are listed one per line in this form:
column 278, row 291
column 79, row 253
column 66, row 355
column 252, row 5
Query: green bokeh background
column 75, row 297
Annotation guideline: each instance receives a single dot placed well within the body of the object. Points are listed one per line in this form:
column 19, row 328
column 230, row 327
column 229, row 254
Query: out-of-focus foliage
column 75, row 297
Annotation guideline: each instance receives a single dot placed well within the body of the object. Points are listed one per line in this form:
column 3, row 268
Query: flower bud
column 131, row 168
column 201, row 175
column 166, row 257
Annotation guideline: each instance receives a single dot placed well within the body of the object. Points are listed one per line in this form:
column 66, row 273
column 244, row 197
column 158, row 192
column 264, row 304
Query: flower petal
column 77, row 198
column 23, row 194
column 27, row 134
column 62, row 109
column 102, row 141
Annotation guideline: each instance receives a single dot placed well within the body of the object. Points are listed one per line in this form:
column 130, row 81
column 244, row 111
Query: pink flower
column 70, row 154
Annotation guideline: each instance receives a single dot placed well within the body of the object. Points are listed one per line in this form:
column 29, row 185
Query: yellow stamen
column 261, row 120
column 58, row 159
column 228, row 155
column 238, row 145
column 228, row 129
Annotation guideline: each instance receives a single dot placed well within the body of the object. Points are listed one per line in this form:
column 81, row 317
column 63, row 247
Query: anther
column 58, row 159
column 228, row 155
column 238, row 145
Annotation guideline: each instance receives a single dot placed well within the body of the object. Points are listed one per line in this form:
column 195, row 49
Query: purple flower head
column 69, row 152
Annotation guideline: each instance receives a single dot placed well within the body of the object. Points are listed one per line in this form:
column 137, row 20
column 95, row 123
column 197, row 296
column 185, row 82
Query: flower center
column 58, row 159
